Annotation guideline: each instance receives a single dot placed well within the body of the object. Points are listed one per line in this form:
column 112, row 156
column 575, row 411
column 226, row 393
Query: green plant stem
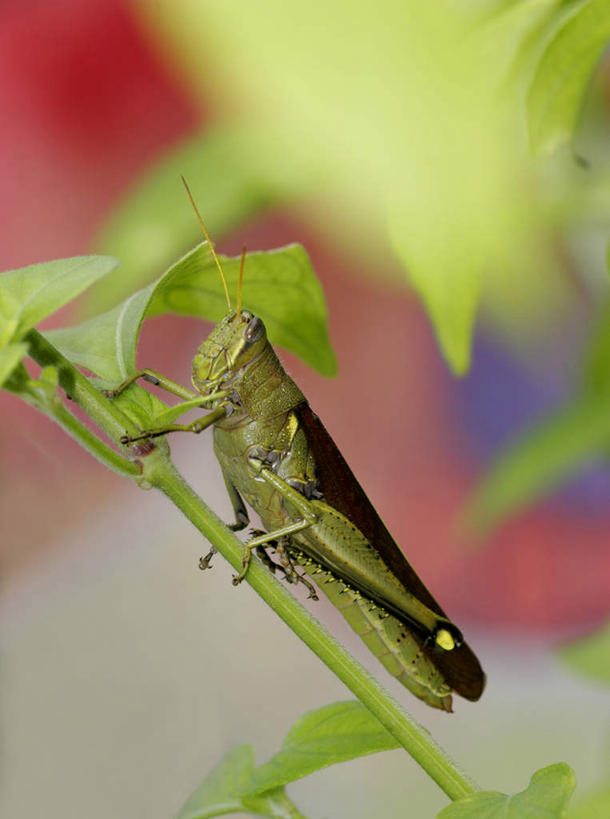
column 108, row 417
column 157, row 469
column 102, row 411
column 411, row 736
column 90, row 441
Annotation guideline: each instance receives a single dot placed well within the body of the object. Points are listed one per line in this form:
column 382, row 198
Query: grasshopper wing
column 342, row 491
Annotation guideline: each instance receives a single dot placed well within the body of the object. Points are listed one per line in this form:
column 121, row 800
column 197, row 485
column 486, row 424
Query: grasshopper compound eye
column 254, row 331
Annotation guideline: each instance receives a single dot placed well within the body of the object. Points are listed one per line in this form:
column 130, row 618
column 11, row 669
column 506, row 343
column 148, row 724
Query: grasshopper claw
column 204, row 562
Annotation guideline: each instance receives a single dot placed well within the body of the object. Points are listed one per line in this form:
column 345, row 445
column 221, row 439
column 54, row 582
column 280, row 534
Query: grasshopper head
column 232, row 344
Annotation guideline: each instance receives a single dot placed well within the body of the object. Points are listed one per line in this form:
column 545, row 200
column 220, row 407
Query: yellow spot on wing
column 445, row 640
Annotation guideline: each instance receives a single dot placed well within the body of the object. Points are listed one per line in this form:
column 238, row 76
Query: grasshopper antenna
column 209, row 241
column 241, row 279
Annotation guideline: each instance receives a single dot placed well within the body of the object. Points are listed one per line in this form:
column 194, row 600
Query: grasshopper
column 278, row 459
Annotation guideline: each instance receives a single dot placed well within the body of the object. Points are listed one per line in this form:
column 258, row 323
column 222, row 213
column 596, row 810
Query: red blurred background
column 80, row 123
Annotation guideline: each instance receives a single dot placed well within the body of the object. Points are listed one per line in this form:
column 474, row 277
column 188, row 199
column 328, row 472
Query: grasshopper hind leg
column 284, row 564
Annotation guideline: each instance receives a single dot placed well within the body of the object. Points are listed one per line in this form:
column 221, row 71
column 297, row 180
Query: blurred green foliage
column 591, row 655
column 432, row 130
column 408, row 127
column 596, row 805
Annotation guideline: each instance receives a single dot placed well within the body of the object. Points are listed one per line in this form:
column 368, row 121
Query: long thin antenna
column 241, row 279
column 209, row 241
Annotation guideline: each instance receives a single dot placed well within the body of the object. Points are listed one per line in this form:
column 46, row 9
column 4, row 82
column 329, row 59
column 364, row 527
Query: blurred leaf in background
column 556, row 449
column 591, row 656
column 411, row 129
column 405, row 128
column 555, row 97
column 155, row 222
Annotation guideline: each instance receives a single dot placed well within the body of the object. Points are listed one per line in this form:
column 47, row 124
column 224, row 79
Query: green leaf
column 557, row 90
column 106, row 344
column 10, row 356
column 535, row 24
column 274, row 804
column 447, row 278
column 217, row 793
column 591, row 656
column 334, row 733
column 597, row 365
column 155, row 222
column 546, row 797
column 30, row 294
column 596, row 805
column 279, row 286
column 142, row 407
column 539, row 461
column 171, row 414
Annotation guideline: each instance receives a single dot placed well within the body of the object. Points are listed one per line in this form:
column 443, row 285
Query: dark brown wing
column 341, row 490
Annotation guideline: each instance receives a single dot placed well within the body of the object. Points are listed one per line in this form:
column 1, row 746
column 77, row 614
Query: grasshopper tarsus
column 204, row 562
column 131, row 439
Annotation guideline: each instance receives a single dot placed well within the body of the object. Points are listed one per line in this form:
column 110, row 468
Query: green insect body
column 276, row 456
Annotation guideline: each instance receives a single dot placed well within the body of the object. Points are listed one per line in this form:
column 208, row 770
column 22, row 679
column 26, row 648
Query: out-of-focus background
column 127, row 673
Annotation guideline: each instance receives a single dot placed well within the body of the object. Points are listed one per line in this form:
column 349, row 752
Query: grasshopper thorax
column 236, row 341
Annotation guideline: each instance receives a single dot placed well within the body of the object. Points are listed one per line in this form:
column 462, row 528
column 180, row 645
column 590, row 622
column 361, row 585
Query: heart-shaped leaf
column 280, row 286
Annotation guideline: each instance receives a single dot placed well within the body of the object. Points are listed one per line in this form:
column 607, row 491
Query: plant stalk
column 415, row 739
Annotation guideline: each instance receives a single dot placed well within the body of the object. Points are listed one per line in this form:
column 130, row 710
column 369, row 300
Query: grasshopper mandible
column 277, row 458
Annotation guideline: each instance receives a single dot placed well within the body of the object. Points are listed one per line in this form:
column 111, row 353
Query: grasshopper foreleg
column 239, row 508
column 196, row 426
column 191, row 400
column 155, row 378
